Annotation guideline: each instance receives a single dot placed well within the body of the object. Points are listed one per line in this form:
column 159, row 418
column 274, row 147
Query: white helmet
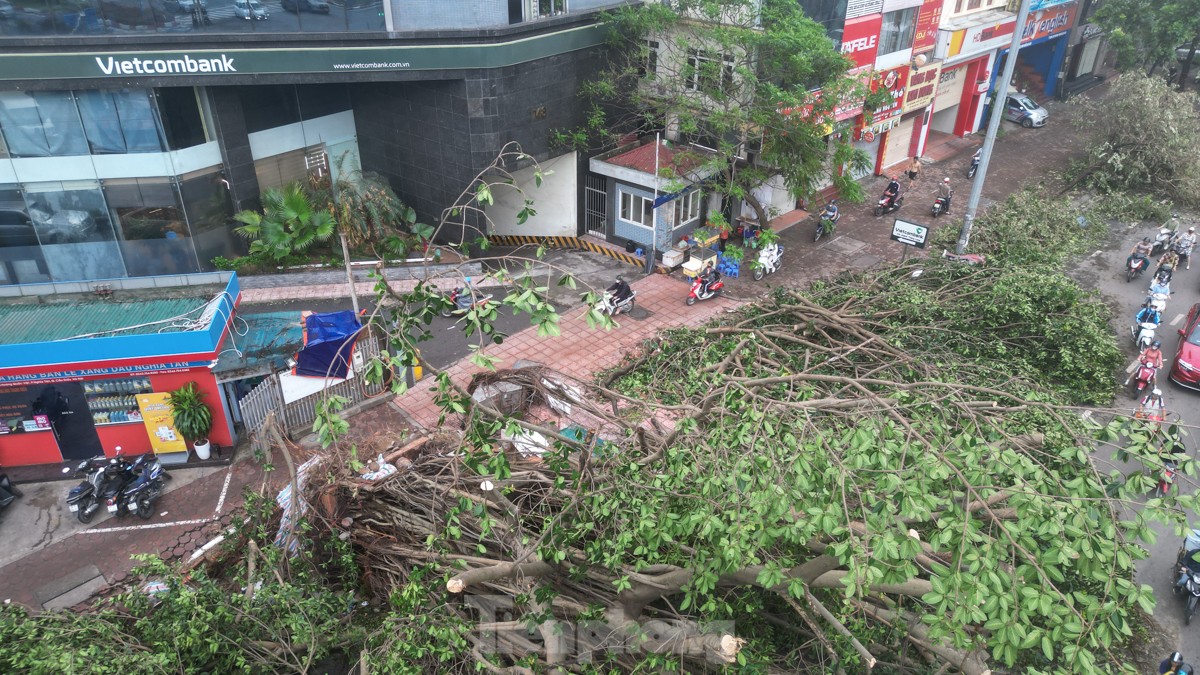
column 1157, row 391
column 946, row 180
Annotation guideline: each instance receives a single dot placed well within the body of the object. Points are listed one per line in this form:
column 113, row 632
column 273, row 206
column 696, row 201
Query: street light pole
column 989, row 139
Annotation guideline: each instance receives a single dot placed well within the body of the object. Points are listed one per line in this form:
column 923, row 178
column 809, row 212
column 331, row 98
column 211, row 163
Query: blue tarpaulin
column 329, row 345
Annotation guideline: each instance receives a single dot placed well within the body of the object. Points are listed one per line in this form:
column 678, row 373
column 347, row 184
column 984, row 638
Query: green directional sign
column 198, row 62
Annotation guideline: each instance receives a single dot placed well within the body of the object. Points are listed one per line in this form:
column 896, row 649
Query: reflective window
column 41, row 124
column 209, row 214
column 154, row 235
column 120, row 121
column 21, row 259
column 179, row 110
column 126, row 17
column 73, row 225
column 266, row 106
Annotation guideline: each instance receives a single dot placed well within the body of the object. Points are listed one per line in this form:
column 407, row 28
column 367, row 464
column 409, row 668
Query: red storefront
column 99, row 376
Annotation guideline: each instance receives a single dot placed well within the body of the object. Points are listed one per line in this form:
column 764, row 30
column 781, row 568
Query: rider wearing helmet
column 1148, row 314
column 945, row 192
column 831, row 211
column 892, row 191
column 1173, row 664
column 620, row 290
column 1153, row 354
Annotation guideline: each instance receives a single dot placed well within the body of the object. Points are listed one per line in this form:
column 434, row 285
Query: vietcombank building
column 131, row 130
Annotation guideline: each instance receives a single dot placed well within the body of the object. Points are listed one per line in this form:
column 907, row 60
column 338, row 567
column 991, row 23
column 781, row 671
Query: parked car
column 297, row 6
column 1025, row 111
column 188, row 6
column 6, row 10
column 1185, row 371
column 249, row 9
column 1182, row 51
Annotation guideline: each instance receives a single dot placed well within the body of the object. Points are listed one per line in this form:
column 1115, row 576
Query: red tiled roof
column 641, row 158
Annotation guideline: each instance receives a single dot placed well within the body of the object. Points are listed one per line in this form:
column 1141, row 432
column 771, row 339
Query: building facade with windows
column 132, row 130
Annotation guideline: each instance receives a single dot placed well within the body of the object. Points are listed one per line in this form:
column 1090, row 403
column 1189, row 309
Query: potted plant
column 193, row 418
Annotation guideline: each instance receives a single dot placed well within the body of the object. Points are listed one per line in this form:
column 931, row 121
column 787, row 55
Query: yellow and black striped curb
column 571, row 243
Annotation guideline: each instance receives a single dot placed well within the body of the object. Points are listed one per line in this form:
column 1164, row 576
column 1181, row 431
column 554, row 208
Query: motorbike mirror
column 118, row 451
column 1182, row 332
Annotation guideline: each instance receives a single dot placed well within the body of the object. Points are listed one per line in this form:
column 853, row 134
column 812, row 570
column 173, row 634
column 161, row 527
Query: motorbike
column 939, row 207
column 1135, row 266
column 84, row 499
column 698, row 292
column 968, row 258
column 8, row 491
column 825, row 224
column 463, row 300
column 1162, row 241
column 974, row 163
column 609, row 305
column 1142, row 377
column 1191, row 586
column 139, row 496
column 1143, row 334
column 888, row 204
column 1167, row 477
column 1163, row 275
column 768, row 261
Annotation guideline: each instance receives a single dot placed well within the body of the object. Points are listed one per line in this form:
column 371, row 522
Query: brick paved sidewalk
column 579, row 351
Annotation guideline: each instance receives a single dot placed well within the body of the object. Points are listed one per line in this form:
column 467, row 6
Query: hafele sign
column 184, row 64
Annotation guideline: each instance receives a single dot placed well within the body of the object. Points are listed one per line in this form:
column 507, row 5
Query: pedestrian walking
column 1184, row 246
column 914, row 170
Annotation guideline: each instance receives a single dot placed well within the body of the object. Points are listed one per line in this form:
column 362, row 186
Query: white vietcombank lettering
column 186, row 64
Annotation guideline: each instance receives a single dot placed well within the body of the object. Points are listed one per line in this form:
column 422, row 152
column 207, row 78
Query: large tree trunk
column 1187, row 64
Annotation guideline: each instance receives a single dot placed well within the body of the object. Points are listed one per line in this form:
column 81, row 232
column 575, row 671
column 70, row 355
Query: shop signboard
column 887, row 117
column 1049, row 22
column 922, row 86
column 81, row 374
column 978, row 39
column 1035, row 5
column 160, row 423
column 927, row 26
column 860, row 39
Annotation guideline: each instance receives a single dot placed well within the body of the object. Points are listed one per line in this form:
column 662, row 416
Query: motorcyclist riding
column 708, row 275
column 945, row 192
column 620, row 290
column 892, row 191
column 1184, row 245
column 1174, row 665
column 1148, row 314
column 831, row 212
column 1166, row 266
column 1141, row 250
column 1153, row 354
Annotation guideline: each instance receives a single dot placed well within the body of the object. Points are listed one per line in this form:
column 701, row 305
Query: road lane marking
column 150, row 526
column 1176, row 320
column 224, row 489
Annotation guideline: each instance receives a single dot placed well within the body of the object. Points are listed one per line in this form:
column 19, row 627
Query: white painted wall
column 555, row 201
column 330, row 130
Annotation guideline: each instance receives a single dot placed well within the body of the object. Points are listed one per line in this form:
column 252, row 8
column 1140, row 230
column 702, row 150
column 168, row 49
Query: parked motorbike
column 8, row 491
column 888, row 204
column 825, row 224
column 1143, row 334
column 974, row 163
column 1142, row 377
column 768, row 261
column 84, row 499
column 610, row 306
column 1162, row 241
column 968, row 258
column 139, row 496
column 1135, row 266
column 698, row 292
column 464, row 299
column 939, row 207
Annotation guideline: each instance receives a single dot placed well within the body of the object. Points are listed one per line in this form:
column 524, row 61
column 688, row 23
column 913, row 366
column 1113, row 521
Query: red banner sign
column 927, row 26
column 860, row 39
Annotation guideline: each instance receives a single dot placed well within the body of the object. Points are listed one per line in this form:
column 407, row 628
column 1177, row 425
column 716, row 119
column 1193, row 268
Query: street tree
column 753, row 82
column 1141, row 139
column 1146, row 33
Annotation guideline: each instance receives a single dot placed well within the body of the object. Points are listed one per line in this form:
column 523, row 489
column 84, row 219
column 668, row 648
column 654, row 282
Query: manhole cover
column 637, row 314
column 845, row 245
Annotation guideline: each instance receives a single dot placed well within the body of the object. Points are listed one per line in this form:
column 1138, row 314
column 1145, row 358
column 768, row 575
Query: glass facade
column 104, row 228
column 117, row 17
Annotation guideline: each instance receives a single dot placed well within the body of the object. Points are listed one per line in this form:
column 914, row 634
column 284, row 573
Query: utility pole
column 989, row 139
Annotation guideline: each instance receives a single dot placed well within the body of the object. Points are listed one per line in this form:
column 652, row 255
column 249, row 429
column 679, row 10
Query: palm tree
column 289, row 223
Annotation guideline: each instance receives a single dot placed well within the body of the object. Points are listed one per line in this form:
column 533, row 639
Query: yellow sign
column 160, row 423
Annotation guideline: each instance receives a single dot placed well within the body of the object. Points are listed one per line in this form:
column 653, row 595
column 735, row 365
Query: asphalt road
column 1104, row 271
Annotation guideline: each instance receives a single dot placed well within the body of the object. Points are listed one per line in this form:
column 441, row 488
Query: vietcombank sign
column 86, row 65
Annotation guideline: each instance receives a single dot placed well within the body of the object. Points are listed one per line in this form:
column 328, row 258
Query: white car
column 249, row 9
